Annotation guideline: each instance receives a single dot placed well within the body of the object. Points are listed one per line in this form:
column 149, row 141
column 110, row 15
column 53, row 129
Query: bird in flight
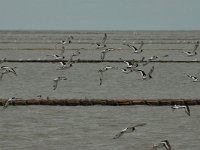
column 135, row 49
column 64, row 42
column 103, row 42
column 104, row 52
column 150, row 59
column 10, row 100
column 101, row 71
column 145, row 76
column 56, row 80
column 194, row 78
column 194, row 51
column 164, row 144
column 185, row 107
column 6, row 70
column 127, row 130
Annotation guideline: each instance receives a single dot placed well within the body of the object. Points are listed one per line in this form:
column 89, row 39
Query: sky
column 99, row 15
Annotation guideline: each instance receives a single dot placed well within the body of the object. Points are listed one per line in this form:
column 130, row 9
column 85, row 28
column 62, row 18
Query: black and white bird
column 9, row 69
column 126, row 70
column 64, row 65
column 70, row 60
column 145, row 76
column 127, row 130
column 136, row 50
column 101, row 71
column 104, row 52
column 194, row 78
column 9, row 101
column 150, row 59
column 2, row 60
column 194, row 51
column 57, row 57
column 103, row 42
column 162, row 144
column 185, row 107
column 6, row 70
column 56, row 80
column 64, row 42
column 130, row 64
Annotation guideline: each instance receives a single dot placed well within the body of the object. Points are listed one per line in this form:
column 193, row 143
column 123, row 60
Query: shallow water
column 93, row 127
column 169, row 81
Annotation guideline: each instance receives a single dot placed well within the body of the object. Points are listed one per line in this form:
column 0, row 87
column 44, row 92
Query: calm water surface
column 93, row 127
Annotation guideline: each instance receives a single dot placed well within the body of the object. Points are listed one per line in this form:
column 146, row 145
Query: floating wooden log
column 93, row 61
column 110, row 102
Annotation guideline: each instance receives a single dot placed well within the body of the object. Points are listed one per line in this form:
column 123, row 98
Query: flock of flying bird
column 163, row 143
column 131, row 66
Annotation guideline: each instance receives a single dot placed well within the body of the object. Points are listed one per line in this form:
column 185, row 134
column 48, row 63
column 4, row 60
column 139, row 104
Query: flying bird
column 127, row 130
column 57, row 57
column 126, row 70
column 185, row 107
column 103, row 42
column 77, row 53
column 164, row 144
column 193, row 52
column 2, row 60
column 64, row 65
column 130, row 64
column 56, row 80
column 150, row 59
column 194, row 78
column 7, row 70
column 10, row 100
column 104, row 52
column 145, row 76
column 136, row 50
column 101, row 71
column 64, row 42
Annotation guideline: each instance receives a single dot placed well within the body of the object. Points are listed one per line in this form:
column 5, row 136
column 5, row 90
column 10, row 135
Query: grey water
column 85, row 128
column 93, row 127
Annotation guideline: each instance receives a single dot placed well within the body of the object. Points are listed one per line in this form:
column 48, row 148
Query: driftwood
column 109, row 102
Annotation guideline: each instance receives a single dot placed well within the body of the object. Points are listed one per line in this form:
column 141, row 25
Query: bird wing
column 195, row 47
column 132, row 46
column 103, row 55
column 166, row 144
column 126, row 70
column 62, row 51
column 1, row 76
column 6, row 104
column 141, row 72
column 141, row 45
column 119, row 134
column 13, row 71
column 104, row 39
column 187, row 110
column 101, row 77
column 151, row 70
column 55, row 84
column 141, row 124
